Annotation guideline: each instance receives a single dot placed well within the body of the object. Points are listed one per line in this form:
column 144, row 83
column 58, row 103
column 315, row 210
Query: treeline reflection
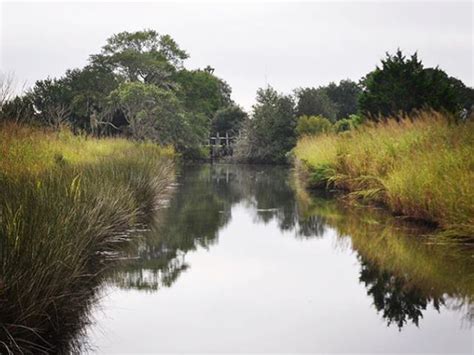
column 402, row 272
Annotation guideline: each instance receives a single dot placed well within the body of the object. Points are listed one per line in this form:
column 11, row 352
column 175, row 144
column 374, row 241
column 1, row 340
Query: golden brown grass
column 421, row 167
column 30, row 150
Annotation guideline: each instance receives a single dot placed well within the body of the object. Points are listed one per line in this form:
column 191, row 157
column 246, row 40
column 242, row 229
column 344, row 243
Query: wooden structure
column 221, row 146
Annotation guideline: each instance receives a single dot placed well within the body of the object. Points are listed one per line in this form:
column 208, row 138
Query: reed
column 66, row 203
column 420, row 166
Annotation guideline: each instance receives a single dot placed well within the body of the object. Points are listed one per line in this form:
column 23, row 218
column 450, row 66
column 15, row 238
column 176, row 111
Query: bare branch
column 57, row 115
column 7, row 88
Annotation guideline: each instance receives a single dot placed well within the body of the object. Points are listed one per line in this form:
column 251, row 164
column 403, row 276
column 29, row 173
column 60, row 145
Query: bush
column 312, row 125
column 346, row 124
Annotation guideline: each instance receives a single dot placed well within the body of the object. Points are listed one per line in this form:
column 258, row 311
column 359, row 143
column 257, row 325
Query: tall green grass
column 66, row 204
column 421, row 167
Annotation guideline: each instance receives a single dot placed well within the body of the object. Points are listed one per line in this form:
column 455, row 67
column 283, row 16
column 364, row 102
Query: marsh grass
column 66, row 204
column 421, row 167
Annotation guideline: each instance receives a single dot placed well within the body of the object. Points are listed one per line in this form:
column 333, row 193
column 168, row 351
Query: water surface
column 243, row 260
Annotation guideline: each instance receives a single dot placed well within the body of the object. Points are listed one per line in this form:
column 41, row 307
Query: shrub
column 346, row 124
column 312, row 125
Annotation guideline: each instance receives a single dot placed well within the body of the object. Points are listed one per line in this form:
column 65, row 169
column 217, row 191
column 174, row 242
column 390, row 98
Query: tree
column 228, row 119
column 7, row 88
column 18, row 109
column 345, row 96
column 144, row 56
column 90, row 88
column 151, row 112
column 315, row 102
column 202, row 92
column 403, row 85
column 51, row 97
column 465, row 94
column 156, row 114
column 270, row 133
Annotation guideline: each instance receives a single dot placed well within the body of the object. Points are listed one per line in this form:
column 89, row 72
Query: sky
column 251, row 44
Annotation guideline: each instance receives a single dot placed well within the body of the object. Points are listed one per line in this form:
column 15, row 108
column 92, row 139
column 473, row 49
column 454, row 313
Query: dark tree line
column 402, row 85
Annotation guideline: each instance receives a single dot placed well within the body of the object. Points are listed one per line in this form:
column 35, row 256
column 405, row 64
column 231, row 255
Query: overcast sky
column 250, row 44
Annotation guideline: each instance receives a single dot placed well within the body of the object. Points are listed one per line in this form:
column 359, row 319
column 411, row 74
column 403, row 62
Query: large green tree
column 345, row 96
column 156, row 114
column 334, row 101
column 270, row 132
column 315, row 102
column 202, row 92
column 144, row 56
column 401, row 85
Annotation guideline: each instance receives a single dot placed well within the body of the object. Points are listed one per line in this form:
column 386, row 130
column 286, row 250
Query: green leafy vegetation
column 137, row 87
column 334, row 101
column 312, row 125
column 270, row 134
column 402, row 85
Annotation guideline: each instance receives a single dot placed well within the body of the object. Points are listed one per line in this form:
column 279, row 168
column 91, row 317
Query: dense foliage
column 312, row 125
column 270, row 133
column 334, row 101
column 136, row 86
column 228, row 119
column 403, row 85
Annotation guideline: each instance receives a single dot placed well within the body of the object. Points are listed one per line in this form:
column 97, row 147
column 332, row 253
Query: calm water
column 242, row 260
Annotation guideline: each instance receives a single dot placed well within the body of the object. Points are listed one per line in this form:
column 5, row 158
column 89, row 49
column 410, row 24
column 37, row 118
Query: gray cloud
column 285, row 44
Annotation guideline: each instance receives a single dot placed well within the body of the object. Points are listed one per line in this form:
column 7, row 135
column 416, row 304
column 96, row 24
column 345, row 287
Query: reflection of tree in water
column 403, row 271
column 201, row 206
column 195, row 214
column 268, row 192
column 397, row 299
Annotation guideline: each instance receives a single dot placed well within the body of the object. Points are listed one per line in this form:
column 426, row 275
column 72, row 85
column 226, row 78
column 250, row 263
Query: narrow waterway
column 243, row 260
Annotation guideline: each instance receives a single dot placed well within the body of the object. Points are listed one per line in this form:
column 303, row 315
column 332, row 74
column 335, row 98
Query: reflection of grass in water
column 60, row 222
column 398, row 248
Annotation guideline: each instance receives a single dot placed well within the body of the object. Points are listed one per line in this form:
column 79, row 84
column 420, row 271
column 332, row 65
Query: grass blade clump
column 421, row 167
column 61, row 221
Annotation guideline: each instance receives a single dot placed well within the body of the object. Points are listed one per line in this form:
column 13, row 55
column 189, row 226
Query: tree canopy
column 270, row 133
column 402, row 85
column 334, row 101
column 137, row 85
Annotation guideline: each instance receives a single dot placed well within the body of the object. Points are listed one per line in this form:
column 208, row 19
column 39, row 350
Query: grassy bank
column 422, row 168
column 65, row 203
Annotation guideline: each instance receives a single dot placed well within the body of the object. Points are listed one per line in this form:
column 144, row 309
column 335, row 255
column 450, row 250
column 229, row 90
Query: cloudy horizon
column 284, row 44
